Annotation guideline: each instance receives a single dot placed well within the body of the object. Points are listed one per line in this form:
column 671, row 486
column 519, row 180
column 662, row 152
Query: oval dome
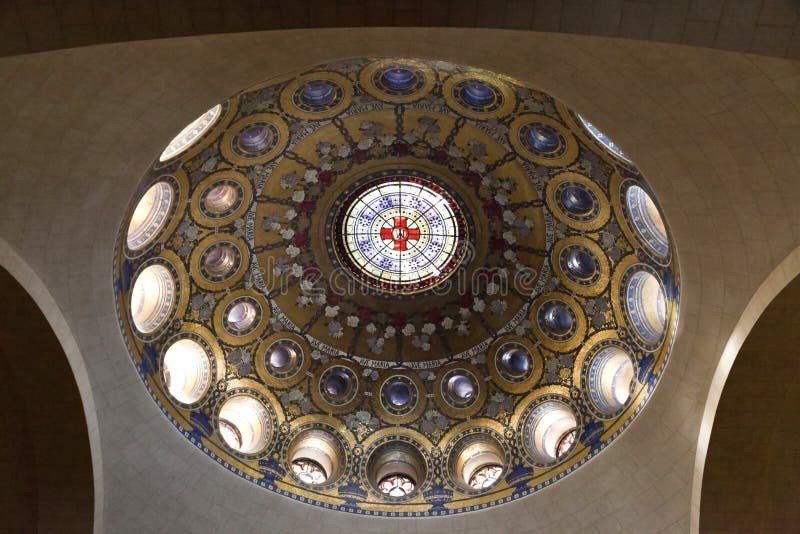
column 409, row 272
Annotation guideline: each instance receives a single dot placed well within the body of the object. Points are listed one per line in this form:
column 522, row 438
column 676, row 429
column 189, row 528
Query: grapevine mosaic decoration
column 396, row 287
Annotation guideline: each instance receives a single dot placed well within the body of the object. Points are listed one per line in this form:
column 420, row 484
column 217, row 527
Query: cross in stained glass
column 400, row 233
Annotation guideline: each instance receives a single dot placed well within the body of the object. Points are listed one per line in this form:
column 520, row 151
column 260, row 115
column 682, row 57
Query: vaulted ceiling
column 716, row 133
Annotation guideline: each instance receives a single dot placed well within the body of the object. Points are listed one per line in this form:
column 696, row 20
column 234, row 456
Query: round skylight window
column 149, row 216
column 244, row 424
column 546, row 429
column 316, row 456
column 647, row 220
column 193, row 131
column 151, row 298
column 610, row 376
column 401, row 233
column 647, row 306
column 187, row 371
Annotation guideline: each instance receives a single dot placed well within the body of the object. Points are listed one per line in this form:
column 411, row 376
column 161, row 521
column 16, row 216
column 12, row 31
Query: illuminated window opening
column 647, row 306
column 396, row 469
column 515, row 359
column 151, row 298
column 193, row 131
column 399, row 393
column 220, row 259
column 149, row 216
column 610, row 376
column 221, row 199
column 284, row 356
column 315, row 456
column 338, row 385
column 579, row 263
column 187, row 371
column 242, row 315
column 479, row 462
column 460, row 388
column 244, row 424
column 647, row 220
column 548, row 424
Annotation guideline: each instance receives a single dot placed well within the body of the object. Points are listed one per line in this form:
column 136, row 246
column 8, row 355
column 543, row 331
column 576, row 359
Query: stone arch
column 54, row 475
column 764, row 296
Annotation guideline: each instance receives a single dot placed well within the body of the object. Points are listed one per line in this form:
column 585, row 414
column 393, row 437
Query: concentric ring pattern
column 391, row 286
column 400, row 233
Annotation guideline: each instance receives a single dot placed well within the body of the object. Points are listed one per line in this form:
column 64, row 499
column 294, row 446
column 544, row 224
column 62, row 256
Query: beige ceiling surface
column 716, row 133
column 770, row 27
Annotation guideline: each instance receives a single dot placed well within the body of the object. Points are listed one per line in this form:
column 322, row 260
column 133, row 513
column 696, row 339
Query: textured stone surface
column 760, row 26
column 715, row 133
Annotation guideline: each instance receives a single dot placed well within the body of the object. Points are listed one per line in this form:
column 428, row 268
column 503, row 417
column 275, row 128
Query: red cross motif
column 400, row 233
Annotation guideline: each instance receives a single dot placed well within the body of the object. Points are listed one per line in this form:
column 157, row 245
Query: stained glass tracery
column 309, row 471
column 401, row 234
column 485, row 476
column 397, row 485
column 565, row 443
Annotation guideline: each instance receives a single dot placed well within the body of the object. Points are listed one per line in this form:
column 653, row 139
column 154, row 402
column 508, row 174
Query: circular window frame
column 179, row 183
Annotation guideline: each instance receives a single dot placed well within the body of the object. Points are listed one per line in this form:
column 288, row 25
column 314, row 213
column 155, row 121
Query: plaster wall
column 717, row 134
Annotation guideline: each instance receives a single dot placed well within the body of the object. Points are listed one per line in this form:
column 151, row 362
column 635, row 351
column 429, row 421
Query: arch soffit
column 773, row 284
column 22, row 272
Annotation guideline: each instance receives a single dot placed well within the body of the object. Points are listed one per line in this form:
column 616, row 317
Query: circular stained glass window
column 565, row 443
column 397, row 485
column 309, row 471
column 400, row 233
column 485, row 476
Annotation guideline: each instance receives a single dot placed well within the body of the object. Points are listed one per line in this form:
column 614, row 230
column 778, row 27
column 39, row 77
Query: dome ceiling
column 395, row 286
